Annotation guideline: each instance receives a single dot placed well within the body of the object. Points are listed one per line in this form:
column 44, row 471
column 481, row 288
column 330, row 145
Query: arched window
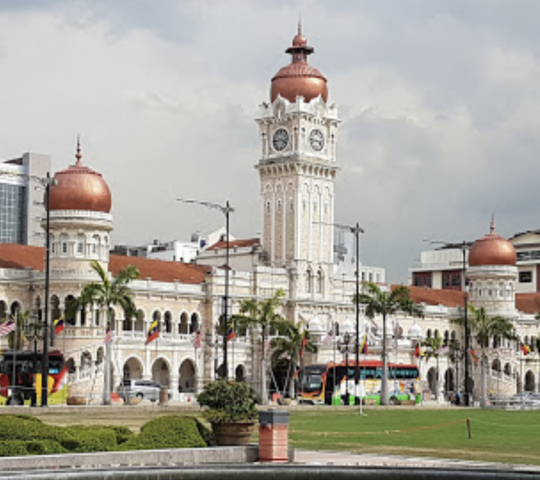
column 80, row 244
column 309, row 281
column 64, row 244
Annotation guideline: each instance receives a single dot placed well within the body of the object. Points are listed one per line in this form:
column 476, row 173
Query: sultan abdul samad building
column 297, row 170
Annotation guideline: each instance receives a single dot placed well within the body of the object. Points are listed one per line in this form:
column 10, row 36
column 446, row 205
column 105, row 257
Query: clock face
column 280, row 140
column 316, row 140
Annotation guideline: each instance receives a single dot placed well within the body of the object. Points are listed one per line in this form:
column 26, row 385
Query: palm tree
column 289, row 346
column 263, row 315
column 379, row 302
column 486, row 327
column 106, row 293
column 434, row 345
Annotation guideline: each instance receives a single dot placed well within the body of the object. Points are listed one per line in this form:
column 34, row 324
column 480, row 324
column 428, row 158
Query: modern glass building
column 21, row 203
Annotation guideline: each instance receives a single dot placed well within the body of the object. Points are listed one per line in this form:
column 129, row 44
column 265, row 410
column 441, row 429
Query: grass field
column 498, row 436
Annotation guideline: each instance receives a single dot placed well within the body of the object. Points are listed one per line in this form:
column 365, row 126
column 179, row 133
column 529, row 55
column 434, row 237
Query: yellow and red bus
column 20, row 375
column 328, row 383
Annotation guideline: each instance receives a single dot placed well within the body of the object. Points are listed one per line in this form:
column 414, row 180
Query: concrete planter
column 75, row 400
column 232, row 434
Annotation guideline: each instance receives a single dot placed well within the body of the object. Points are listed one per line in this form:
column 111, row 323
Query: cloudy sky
column 440, row 102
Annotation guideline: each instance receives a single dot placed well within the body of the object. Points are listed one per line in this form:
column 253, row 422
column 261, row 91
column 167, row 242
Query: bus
column 20, row 375
column 327, row 383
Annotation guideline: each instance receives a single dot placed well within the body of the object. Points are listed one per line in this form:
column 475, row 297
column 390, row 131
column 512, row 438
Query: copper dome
column 79, row 188
column 492, row 249
column 299, row 78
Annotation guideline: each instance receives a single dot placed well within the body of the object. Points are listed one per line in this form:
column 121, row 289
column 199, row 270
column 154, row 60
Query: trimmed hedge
column 168, row 432
column 22, row 435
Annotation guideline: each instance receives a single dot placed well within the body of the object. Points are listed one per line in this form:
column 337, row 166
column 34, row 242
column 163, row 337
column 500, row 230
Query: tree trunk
column 384, row 381
column 107, row 368
column 483, row 382
column 264, row 393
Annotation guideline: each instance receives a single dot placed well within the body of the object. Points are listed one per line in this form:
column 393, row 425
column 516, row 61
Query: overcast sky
column 440, row 102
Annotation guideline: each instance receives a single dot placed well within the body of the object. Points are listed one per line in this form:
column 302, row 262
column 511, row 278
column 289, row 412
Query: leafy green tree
column 384, row 303
column 485, row 327
column 108, row 292
column 289, row 346
column 262, row 315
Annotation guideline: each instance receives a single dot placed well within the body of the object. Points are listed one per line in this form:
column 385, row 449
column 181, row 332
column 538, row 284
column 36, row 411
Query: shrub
column 123, row 434
column 14, row 448
column 229, row 402
column 44, row 447
column 167, row 432
column 21, row 427
column 80, row 439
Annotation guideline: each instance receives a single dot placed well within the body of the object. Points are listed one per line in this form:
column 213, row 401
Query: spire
column 300, row 24
column 78, row 155
column 492, row 224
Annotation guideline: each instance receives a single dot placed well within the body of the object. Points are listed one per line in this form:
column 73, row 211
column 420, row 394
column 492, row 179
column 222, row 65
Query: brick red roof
column 235, row 243
column 430, row 296
column 528, row 302
column 24, row 256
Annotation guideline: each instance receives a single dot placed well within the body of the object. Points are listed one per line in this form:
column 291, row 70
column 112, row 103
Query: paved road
column 343, row 458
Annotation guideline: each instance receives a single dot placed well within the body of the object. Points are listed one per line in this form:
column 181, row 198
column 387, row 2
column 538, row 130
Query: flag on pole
column 153, row 332
column 59, row 325
column 329, row 339
column 364, row 345
column 108, row 333
column 474, row 356
column 418, row 352
column 7, row 327
column 443, row 350
column 303, row 344
column 525, row 349
column 231, row 334
column 196, row 338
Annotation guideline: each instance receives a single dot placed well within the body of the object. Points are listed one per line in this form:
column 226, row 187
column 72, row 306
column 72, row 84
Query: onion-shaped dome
column 415, row 331
column 347, row 326
column 492, row 249
column 315, row 325
column 299, row 78
column 79, row 188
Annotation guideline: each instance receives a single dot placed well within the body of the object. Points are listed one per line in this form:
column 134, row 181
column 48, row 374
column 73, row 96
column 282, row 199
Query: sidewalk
column 314, row 457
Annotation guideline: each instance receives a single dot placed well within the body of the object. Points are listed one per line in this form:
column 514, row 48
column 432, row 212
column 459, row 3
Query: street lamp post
column 46, row 183
column 226, row 210
column 464, row 246
column 213, row 344
column 45, row 355
column 33, row 335
column 356, row 230
column 344, row 349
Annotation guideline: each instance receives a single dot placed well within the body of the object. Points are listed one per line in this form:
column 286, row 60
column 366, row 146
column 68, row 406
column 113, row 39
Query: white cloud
column 439, row 101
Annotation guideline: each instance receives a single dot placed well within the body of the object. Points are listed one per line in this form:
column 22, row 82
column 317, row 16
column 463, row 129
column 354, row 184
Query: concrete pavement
column 317, row 457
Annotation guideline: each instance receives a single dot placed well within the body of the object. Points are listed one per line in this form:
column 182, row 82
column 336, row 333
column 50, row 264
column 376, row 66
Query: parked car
column 139, row 389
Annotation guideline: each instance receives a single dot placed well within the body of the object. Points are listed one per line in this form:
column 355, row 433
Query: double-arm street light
column 464, row 247
column 356, row 230
column 225, row 210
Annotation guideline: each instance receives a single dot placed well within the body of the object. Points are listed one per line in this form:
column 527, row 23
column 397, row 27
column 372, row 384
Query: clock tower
column 297, row 168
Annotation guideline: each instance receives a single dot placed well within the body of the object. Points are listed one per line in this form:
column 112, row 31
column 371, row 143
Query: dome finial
column 78, row 155
column 492, row 224
column 300, row 24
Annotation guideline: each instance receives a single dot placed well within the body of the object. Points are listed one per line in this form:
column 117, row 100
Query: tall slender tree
column 384, row 303
column 262, row 315
column 485, row 327
column 108, row 292
column 293, row 341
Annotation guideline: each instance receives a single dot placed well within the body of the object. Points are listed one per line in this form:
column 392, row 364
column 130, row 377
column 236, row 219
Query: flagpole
column 64, row 355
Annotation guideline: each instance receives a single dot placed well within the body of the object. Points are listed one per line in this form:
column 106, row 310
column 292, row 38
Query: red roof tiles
column 24, row 256
column 235, row 243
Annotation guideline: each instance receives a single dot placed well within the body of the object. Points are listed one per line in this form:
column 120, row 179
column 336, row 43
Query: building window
column 525, row 277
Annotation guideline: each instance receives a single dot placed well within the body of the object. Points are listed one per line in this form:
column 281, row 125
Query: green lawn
column 498, row 436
